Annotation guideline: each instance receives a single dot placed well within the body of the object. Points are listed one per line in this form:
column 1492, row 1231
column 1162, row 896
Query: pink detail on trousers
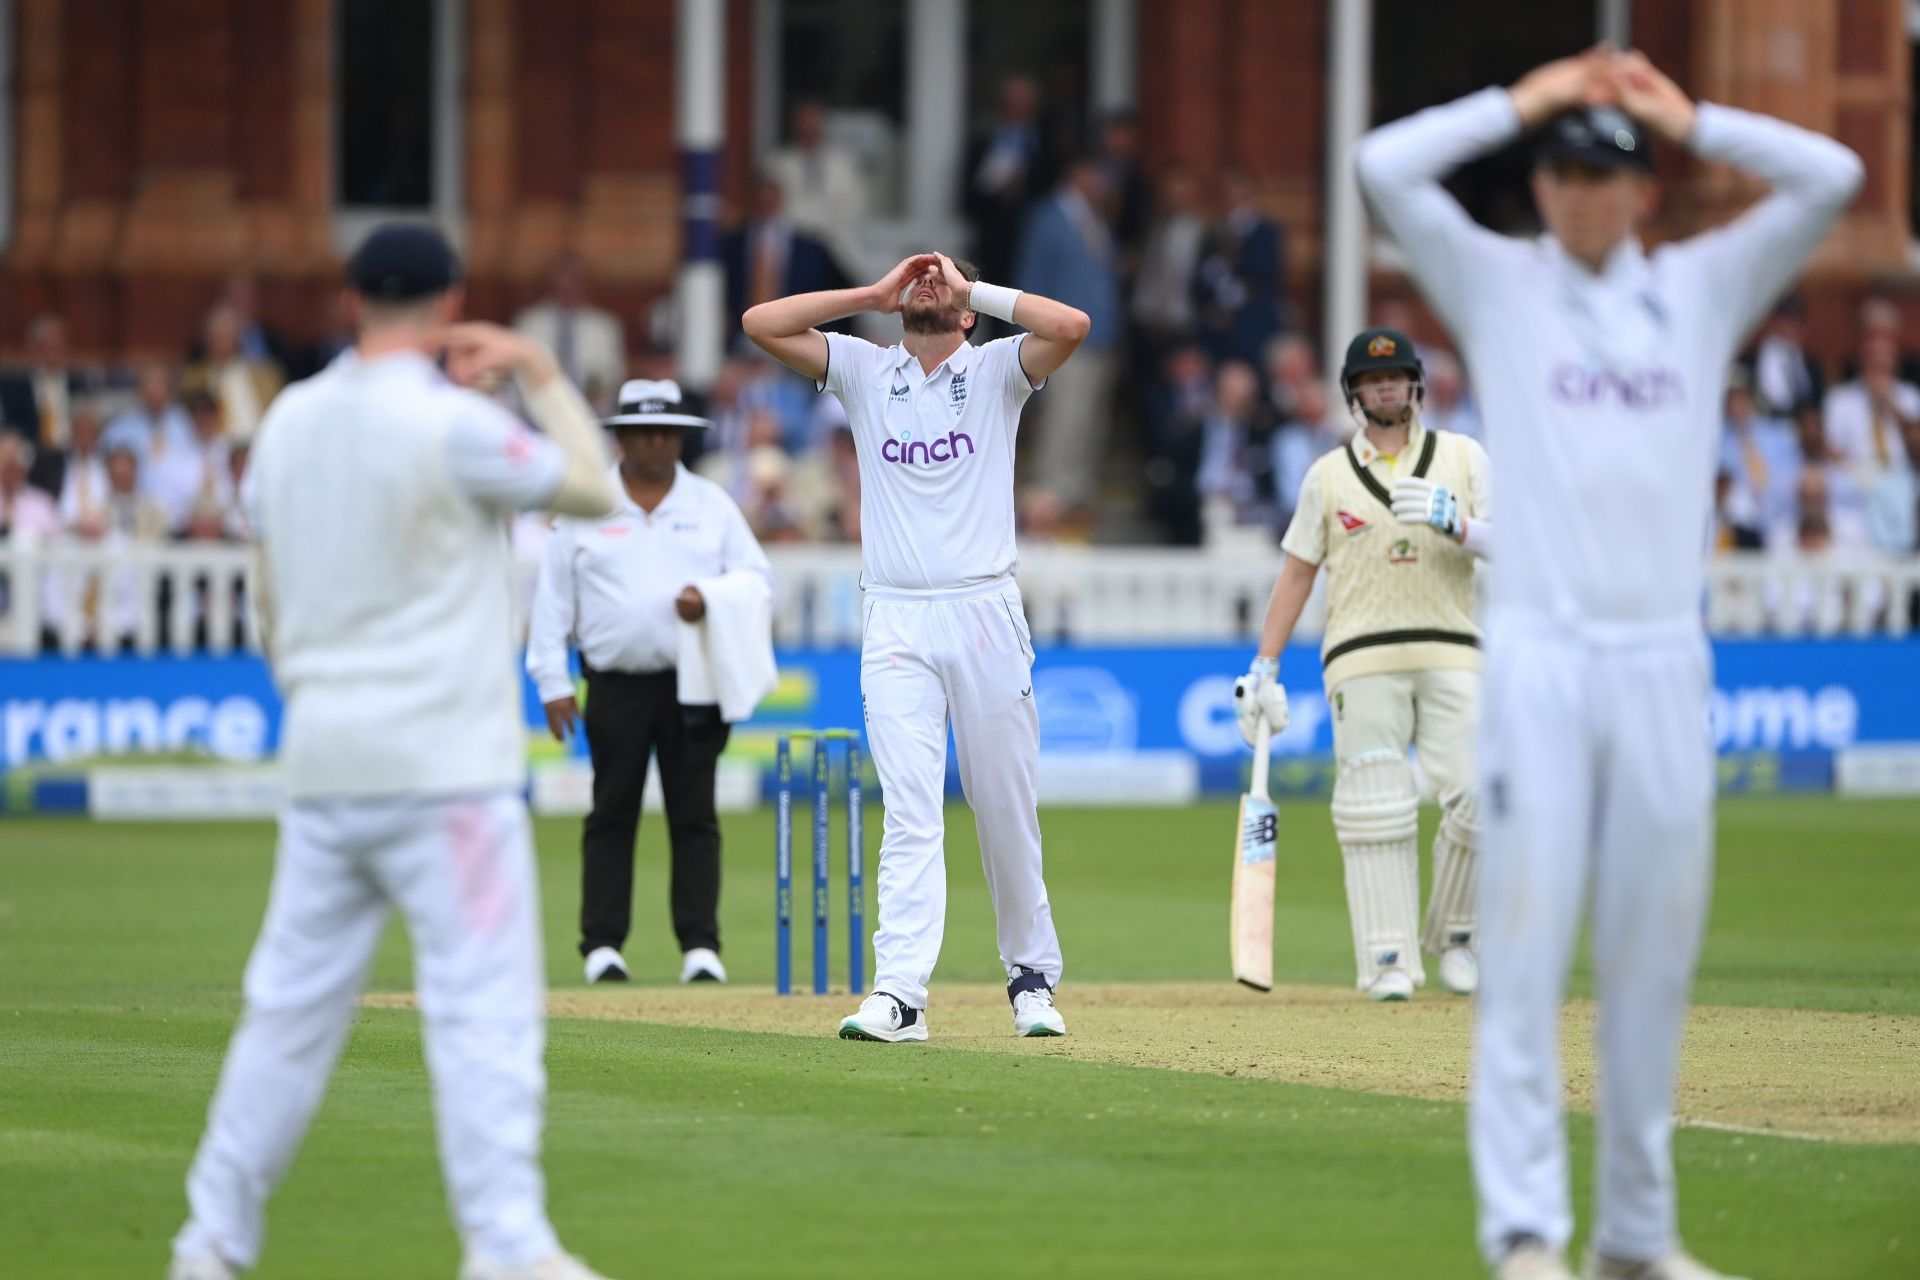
column 484, row 898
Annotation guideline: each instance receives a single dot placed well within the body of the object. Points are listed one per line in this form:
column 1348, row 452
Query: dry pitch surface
column 1851, row 1077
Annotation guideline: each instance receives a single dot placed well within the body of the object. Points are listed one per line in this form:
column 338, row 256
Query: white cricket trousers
column 1597, row 769
column 460, row 869
column 966, row 656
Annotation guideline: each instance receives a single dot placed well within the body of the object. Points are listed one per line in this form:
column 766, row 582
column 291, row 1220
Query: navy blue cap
column 399, row 261
column 1600, row 137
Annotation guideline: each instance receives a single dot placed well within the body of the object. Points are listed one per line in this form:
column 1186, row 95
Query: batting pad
column 1456, row 873
column 1376, row 815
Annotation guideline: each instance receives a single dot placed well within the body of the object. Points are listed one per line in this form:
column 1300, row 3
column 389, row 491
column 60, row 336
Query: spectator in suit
column 1787, row 382
column 155, row 426
column 1868, row 419
column 193, row 486
column 28, row 516
column 1236, row 454
column 1007, row 168
column 1176, row 432
column 111, row 600
column 257, row 342
column 1067, row 252
column 242, row 385
column 1761, row 459
column 1241, row 274
column 1447, row 405
column 821, row 187
column 589, row 342
column 1129, row 197
column 769, row 257
column 80, row 476
column 36, row 401
column 1310, row 433
column 1291, row 362
column 1163, row 304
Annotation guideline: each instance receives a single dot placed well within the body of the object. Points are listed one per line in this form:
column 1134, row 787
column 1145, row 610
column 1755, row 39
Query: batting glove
column 1259, row 695
column 1418, row 501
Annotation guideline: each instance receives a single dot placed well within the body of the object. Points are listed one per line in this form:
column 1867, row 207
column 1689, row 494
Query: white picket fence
column 192, row 598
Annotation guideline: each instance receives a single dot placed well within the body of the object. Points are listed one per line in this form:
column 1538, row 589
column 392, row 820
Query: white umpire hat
column 653, row 403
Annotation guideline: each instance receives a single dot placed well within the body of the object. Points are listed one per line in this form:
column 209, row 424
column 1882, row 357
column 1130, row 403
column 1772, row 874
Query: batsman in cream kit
column 1397, row 517
column 944, row 635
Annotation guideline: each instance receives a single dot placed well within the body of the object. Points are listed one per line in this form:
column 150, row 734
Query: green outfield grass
column 685, row 1152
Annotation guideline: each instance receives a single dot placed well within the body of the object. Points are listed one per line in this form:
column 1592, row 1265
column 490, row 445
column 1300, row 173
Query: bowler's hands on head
column 1583, row 80
column 479, row 354
column 562, row 715
column 689, row 604
column 959, row 285
column 1649, row 96
column 888, row 289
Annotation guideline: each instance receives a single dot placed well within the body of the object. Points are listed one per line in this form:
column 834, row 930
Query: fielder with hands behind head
column 1600, row 370
column 379, row 491
column 1396, row 515
column 945, row 635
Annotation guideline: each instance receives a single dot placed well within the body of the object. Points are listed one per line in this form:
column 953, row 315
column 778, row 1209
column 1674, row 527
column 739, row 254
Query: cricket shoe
column 201, row 1266
column 1459, row 971
column 702, row 965
column 561, row 1266
column 1033, row 1011
column 885, row 1018
column 605, row 965
column 1392, row 985
column 1531, row 1259
column 1675, row 1266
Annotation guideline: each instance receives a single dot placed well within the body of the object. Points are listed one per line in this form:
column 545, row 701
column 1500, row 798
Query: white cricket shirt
column 1601, row 392
column 936, row 459
column 380, row 493
column 609, row 584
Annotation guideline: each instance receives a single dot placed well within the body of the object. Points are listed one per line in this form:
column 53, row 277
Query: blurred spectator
column 1240, row 276
column 237, row 529
column 1066, row 252
column 1868, row 424
column 112, row 600
column 1879, row 316
column 1235, row 476
column 1760, row 457
column 821, row 186
column 1129, row 198
column 1163, row 301
column 241, row 385
column 769, row 257
column 1176, row 431
column 1290, row 363
column 1787, row 381
column 589, row 342
column 1007, row 168
column 1446, row 403
column 769, row 513
column 82, row 482
column 27, row 515
column 36, row 401
column 1310, row 433
column 257, row 342
column 194, row 484
column 156, row 425
column 1726, row 532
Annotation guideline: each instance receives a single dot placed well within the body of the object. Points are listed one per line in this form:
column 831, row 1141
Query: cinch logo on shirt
column 942, row 449
column 1641, row 390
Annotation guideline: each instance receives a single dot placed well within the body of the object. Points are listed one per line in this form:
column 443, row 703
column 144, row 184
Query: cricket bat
column 1253, row 854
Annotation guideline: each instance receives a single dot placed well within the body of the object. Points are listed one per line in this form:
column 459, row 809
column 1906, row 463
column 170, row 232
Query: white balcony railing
column 192, row 598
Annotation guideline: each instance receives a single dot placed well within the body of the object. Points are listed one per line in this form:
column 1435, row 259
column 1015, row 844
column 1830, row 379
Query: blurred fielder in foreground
column 1601, row 370
column 1397, row 515
column 379, row 493
column 945, row 638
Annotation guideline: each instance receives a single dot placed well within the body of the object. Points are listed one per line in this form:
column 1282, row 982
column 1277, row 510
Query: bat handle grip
column 1262, row 751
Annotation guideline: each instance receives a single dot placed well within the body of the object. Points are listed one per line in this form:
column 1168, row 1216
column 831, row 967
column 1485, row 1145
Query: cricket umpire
column 619, row 587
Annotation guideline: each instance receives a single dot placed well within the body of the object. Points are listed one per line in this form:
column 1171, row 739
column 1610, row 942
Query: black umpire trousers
column 628, row 718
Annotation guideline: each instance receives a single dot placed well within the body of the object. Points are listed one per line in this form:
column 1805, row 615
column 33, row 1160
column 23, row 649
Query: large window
column 398, row 70
column 1426, row 53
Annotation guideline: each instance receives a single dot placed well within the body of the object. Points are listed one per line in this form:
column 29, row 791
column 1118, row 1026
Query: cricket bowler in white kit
column 1600, row 369
column 945, row 636
column 380, row 492
column 1396, row 516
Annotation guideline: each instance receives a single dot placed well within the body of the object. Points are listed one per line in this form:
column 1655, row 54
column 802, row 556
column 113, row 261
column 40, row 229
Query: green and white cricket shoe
column 1034, row 1014
column 1391, row 986
column 884, row 1018
column 1459, row 971
column 201, row 1266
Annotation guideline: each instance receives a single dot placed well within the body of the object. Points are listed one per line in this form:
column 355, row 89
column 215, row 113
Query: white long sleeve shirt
column 608, row 585
column 1601, row 392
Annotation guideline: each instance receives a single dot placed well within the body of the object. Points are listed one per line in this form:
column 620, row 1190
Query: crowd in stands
column 1189, row 417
